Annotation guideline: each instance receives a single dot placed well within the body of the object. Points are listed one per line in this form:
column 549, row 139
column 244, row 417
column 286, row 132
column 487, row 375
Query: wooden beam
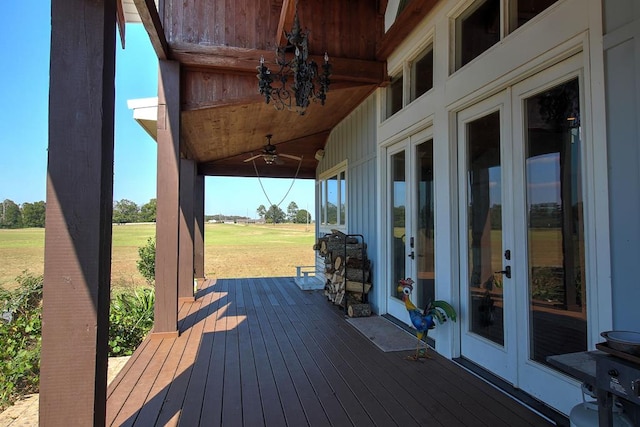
column 168, row 192
column 247, row 170
column 185, row 245
column 198, row 233
column 410, row 17
column 77, row 266
column 382, row 7
column 190, row 105
column 286, row 21
column 152, row 23
column 242, row 60
column 121, row 21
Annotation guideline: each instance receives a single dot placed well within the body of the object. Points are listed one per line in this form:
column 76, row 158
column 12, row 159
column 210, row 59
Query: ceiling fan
column 270, row 155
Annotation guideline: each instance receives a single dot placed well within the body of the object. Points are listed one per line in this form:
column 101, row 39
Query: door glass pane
column 477, row 29
column 557, row 289
column 484, row 204
column 398, row 224
column 425, row 233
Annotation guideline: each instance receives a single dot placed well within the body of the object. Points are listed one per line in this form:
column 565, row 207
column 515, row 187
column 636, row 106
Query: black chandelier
column 308, row 84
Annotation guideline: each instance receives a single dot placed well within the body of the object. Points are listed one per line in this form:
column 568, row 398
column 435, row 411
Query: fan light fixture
column 308, row 83
column 270, row 156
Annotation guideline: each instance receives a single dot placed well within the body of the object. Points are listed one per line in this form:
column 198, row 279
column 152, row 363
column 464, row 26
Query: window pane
column 425, row 245
column 484, row 204
column 557, row 288
column 398, row 224
column 394, row 96
column 477, row 30
column 343, row 204
column 323, row 195
column 422, row 74
column 524, row 10
column 332, row 200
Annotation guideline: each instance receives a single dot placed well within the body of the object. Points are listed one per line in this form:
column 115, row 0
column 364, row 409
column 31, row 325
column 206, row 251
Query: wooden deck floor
column 258, row 352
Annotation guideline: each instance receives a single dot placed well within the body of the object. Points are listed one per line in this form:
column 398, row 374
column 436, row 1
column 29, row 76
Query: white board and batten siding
column 354, row 141
column 621, row 45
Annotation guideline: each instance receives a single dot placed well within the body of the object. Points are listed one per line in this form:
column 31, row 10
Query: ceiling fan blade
column 252, row 158
column 289, row 156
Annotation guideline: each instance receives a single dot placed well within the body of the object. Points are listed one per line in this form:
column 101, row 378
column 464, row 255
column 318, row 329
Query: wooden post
column 198, row 235
column 168, row 192
column 185, row 251
column 77, row 267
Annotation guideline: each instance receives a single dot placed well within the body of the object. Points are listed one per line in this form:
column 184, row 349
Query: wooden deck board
column 269, row 398
column 312, row 407
column 252, row 413
column 262, row 352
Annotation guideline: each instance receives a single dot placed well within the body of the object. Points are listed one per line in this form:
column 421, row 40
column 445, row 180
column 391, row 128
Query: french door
column 522, row 255
column 410, row 221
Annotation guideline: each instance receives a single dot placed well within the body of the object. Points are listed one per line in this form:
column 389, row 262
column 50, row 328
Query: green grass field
column 231, row 250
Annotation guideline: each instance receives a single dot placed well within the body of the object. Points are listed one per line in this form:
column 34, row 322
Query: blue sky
column 24, row 93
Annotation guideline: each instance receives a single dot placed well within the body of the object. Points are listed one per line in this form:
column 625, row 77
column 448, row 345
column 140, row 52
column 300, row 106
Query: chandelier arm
column 308, row 83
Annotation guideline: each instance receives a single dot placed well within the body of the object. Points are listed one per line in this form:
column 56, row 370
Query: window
column 414, row 78
column 394, row 96
column 477, row 29
column 521, row 11
column 479, row 26
column 333, row 197
column 422, row 74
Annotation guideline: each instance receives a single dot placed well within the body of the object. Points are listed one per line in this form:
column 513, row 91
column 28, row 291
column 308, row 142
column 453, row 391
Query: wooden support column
column 168, row 192
column 77, row 267
column 198, row 234
column 185, row 258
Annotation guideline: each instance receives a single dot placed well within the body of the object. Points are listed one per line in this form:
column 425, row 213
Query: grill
column 617, row 374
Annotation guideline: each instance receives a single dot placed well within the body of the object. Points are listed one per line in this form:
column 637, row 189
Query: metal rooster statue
column 424, row 320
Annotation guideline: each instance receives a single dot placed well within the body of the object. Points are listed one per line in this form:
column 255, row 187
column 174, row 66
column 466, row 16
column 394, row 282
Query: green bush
column 147, row 262
column 130, row 320
column 20, row 335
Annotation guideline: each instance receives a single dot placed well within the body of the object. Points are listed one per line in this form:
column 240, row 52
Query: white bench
column 306, row 278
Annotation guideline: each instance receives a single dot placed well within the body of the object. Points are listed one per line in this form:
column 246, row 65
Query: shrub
column 147, row 262
column 130, row 320
column 20, row 335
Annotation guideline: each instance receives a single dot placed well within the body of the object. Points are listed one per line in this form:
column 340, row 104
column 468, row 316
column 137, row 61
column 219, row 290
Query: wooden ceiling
column 219, row 44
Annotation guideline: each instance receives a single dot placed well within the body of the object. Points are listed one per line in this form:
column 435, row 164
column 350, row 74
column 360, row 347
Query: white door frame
column 408, row 144
column 501, row 360
column 538, row 380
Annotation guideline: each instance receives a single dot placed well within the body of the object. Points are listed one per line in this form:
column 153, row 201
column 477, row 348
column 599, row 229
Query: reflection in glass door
column 484, row 228
column 425, row 232
column 555, row 235
column 398, row 195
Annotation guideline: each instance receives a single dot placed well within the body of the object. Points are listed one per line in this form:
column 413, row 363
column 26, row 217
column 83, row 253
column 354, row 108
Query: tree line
column 275, row 215
column 26, row 215
column 29, row 215
column 126, row 211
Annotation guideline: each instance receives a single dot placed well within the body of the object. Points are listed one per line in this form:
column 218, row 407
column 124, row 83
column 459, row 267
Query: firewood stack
column 348, row 271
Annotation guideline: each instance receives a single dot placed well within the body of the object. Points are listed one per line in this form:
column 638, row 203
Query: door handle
column 411, row 255
column 506, row 271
